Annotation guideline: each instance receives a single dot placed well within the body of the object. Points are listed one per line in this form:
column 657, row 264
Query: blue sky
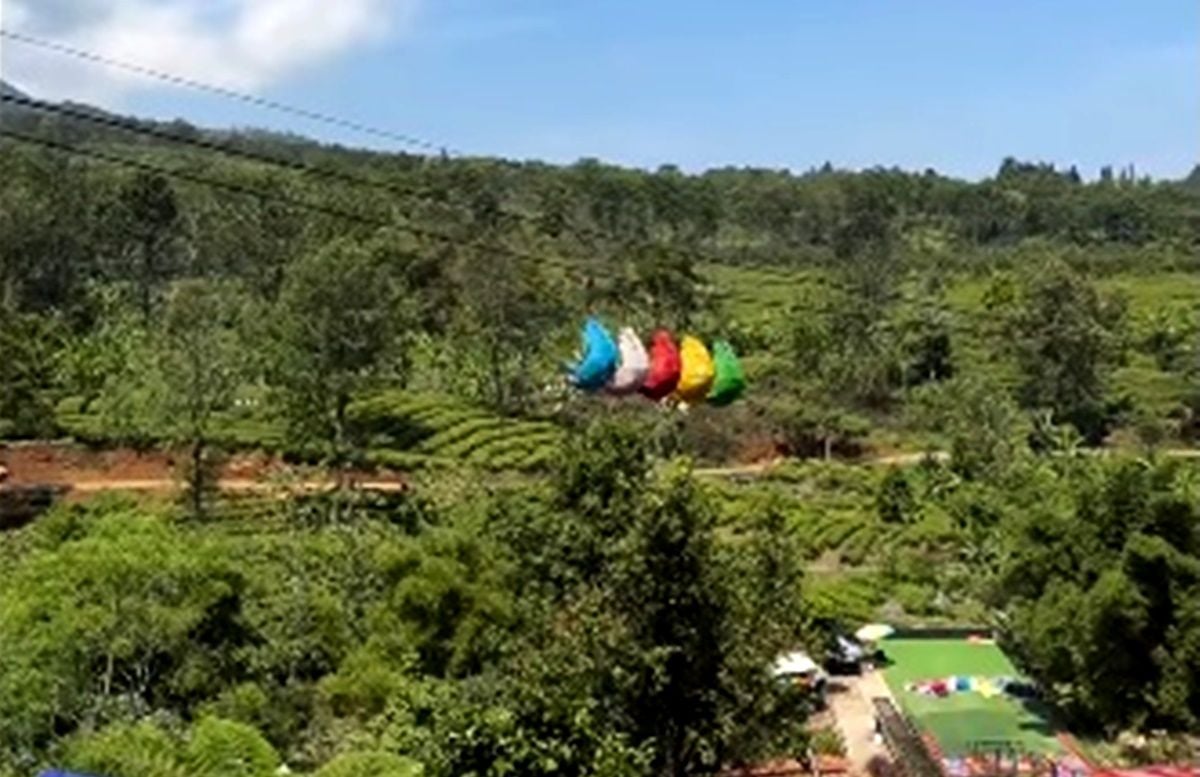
column 951, row 84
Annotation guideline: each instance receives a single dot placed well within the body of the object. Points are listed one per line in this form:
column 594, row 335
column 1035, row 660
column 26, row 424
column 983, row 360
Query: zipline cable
column 582, row 232
column 144, row 129
column 147, row 130
column 134, row 127
column 293, row 202
column 232, row 94
column 138, row 128
column 183, row 175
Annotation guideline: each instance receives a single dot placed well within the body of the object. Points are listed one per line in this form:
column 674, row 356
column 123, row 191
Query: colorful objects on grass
column 988, row 687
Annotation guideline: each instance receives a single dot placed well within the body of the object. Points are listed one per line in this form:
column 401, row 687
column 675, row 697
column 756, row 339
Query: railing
column 903, row 742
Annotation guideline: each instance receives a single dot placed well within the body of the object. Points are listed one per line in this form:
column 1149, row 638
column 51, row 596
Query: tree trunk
column 497, row 376
column 109, row 668
column 199, row 477
column 339, row 431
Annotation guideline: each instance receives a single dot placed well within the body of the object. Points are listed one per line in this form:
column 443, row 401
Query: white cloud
column 241, row 44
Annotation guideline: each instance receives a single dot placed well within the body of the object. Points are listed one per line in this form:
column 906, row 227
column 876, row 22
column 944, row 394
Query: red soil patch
column 89, row 470
column 60, row 464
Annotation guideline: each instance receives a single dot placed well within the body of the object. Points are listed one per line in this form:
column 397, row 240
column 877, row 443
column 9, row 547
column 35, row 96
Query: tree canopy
column 559, row 583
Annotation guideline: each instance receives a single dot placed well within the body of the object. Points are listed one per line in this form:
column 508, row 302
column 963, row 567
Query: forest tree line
column 480, row 269
column 587, row 210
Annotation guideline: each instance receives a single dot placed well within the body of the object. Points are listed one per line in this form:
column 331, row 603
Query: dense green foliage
column 444, row 429
column 1090, row 567
column 602, row 624
column 560, row 593
column 474, row 288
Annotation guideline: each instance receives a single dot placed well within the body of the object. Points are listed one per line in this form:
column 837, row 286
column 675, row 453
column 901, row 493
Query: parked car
column 846, row 656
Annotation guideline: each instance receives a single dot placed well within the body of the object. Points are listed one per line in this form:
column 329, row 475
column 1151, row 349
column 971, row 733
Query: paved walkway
column 850, row 700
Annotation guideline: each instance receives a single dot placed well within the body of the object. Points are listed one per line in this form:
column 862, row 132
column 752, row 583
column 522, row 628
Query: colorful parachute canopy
column 634, row 364
column 663, row 375
column 695, row 371
column 730, row 380
column 599, row 357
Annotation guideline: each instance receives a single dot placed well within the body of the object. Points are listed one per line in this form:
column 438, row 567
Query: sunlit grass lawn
column 962, row 718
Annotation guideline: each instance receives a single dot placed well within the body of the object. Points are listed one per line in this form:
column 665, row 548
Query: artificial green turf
column 963, row 718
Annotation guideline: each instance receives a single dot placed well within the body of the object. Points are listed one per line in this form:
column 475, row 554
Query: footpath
column 850, row 700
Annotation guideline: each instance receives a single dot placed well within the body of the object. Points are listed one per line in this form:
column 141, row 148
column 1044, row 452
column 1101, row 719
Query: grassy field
column 401, row 430
column 962, row 718
column 1147, row 293
column 754, row 296
column 749, row 292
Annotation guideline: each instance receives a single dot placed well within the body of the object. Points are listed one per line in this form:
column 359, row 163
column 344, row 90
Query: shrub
column 371, row 763
column 127, row 750
column 225, row 748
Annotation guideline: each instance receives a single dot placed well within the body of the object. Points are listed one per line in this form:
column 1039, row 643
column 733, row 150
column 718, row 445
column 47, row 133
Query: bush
column 127, row 750
column 828, row 741
column 407, row 431
column 225, row 748
column 895, row 502
column 915, row 599
column 371, row 763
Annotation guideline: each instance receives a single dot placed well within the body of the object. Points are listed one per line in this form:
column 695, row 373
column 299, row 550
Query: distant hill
column 15, row 116
column 7, row 89
column 1192, row 182
column 71, row 124
column 750, row 216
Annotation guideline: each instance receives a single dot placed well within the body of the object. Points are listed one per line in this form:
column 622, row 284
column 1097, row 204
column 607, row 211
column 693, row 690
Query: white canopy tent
column 874, row 632
column 795, row 663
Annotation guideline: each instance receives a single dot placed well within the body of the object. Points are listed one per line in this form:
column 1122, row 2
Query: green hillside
column 969, row 402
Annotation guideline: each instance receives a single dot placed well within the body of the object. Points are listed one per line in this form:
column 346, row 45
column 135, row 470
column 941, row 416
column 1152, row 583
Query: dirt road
column 81, row 471
column 86, row 471
column 850, row 699
column 235, row 486
column 910, row 459
column 760, row 468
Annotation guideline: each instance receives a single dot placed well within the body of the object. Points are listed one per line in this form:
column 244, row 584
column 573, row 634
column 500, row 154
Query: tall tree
column 677, row 618
column 203, row 362
column 984, row 429
column 145, row 227
column 27, row 373
column 337, row 319
column 923, row 329
column 1066, row 337
column 110, row 368
column 701, row 621
column 510, row 304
